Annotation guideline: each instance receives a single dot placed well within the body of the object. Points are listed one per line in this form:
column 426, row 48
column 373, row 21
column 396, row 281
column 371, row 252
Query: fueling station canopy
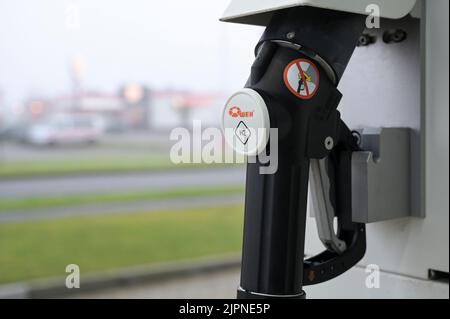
column 259, row 12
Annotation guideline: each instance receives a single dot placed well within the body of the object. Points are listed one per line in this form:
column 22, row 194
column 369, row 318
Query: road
column 123, row 182
column 112, row 145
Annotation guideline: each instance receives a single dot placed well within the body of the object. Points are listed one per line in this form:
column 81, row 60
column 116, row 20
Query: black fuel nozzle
column 300, row 60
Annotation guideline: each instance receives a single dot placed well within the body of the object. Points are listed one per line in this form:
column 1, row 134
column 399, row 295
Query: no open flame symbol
column 301, row 77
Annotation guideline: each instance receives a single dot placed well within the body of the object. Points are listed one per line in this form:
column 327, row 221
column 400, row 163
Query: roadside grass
column 40, row 249
column 87, row 165
column 9, row 205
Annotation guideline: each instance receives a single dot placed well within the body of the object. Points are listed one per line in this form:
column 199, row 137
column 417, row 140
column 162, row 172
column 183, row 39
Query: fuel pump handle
column 348, row 246
column 292, row 89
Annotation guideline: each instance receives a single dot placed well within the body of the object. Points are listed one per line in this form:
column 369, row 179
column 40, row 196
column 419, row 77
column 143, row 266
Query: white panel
column 255, row 11
column 353, row 285
column 409, row 246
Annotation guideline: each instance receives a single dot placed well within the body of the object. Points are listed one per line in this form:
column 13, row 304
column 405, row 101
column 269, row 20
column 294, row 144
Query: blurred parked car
column 64, row 129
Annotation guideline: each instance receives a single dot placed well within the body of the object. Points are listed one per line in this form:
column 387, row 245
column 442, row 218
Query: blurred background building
column 89, row 93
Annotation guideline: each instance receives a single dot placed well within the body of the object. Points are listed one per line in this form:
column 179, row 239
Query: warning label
column 301, row 77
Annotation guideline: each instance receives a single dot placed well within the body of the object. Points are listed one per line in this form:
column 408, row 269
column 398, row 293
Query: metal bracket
column 381, row 183
column 381, row 176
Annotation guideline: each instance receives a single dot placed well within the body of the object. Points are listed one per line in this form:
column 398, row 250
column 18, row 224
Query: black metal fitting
column 394, row 36
column 366, row 40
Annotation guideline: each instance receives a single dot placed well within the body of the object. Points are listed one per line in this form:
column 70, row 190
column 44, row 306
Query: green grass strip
column 30, row 250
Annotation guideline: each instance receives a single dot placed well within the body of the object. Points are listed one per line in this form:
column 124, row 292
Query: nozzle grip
column 330, row 264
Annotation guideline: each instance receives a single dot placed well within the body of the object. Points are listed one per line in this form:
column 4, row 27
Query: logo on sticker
column 235, row 111
column 301, row 77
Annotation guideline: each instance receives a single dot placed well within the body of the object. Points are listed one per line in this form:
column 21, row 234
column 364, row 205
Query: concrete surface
column 216, row 285
column 124, row 182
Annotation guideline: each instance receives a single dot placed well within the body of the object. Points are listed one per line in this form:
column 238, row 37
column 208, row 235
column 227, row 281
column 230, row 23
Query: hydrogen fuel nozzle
column 288, row 112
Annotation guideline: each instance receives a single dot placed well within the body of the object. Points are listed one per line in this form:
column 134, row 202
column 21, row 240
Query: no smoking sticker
column 301, row 77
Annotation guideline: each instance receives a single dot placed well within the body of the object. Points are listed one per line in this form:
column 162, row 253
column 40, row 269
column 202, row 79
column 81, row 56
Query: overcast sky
column 178, row 44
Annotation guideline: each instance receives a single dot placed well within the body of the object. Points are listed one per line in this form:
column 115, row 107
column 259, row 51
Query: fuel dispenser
column 290, row 106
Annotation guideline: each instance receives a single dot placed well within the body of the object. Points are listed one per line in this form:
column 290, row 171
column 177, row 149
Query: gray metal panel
column 381, row 176
column 436, row 134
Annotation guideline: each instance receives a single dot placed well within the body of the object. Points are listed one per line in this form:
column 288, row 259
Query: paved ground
column 126, row 182
column 215, row 285
column 121, row 208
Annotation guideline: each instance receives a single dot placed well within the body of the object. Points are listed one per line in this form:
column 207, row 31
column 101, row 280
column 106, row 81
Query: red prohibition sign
column 301, row 77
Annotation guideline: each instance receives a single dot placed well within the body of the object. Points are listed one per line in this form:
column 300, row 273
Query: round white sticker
column 246, row 123
column 301, row 77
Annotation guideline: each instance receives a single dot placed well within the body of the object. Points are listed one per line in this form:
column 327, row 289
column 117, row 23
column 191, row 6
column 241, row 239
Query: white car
column 60, row 130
